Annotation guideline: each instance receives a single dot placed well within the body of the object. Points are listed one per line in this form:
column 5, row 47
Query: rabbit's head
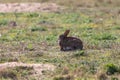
column 63, row 36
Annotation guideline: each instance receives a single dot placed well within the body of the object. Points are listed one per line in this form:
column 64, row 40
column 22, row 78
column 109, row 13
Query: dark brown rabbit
column 69, row 43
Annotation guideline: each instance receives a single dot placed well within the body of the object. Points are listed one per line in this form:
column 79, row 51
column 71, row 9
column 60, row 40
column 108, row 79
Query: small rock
column 12, row 24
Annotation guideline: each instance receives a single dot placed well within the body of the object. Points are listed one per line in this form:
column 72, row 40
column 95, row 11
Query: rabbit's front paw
column 66, row 48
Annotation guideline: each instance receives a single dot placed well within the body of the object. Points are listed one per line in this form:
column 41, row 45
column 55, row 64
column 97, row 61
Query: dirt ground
column 29, row 7
column 38, row 68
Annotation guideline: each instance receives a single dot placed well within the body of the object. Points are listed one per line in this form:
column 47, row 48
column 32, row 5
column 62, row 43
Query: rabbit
column 69, row 43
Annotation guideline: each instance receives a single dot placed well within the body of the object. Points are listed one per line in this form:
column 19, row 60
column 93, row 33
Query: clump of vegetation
column 32, row 15
column 112, row 69
column 38, row 28
column 117, row 27
column 79, row 53
column 29, row 47
column 3, row 22
column 105, row 36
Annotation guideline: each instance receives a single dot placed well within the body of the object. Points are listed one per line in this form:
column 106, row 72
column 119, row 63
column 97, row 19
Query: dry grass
column 75, row 3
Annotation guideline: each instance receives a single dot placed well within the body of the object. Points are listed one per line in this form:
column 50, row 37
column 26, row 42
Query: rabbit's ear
column 66, row 32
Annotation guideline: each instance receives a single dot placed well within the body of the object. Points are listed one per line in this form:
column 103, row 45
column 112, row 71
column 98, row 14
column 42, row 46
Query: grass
column 3, row 22
column 35, row 40
column 39, row 44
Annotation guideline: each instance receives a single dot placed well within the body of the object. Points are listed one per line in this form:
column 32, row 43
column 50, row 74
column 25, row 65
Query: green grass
column 35, row 40
column 112, row 69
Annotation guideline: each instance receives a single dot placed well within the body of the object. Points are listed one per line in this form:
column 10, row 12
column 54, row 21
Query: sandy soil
column 29, row 7
column 38, row 68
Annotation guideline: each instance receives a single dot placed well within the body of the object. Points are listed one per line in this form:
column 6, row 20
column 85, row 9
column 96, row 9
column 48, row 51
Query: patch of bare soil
column 38, row 68
column 29, row 7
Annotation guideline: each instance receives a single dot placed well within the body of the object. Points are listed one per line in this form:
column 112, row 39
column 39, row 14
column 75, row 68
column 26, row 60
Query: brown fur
column 69, row 43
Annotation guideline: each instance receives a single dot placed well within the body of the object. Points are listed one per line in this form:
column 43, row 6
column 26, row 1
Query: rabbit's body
column 69, row 43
